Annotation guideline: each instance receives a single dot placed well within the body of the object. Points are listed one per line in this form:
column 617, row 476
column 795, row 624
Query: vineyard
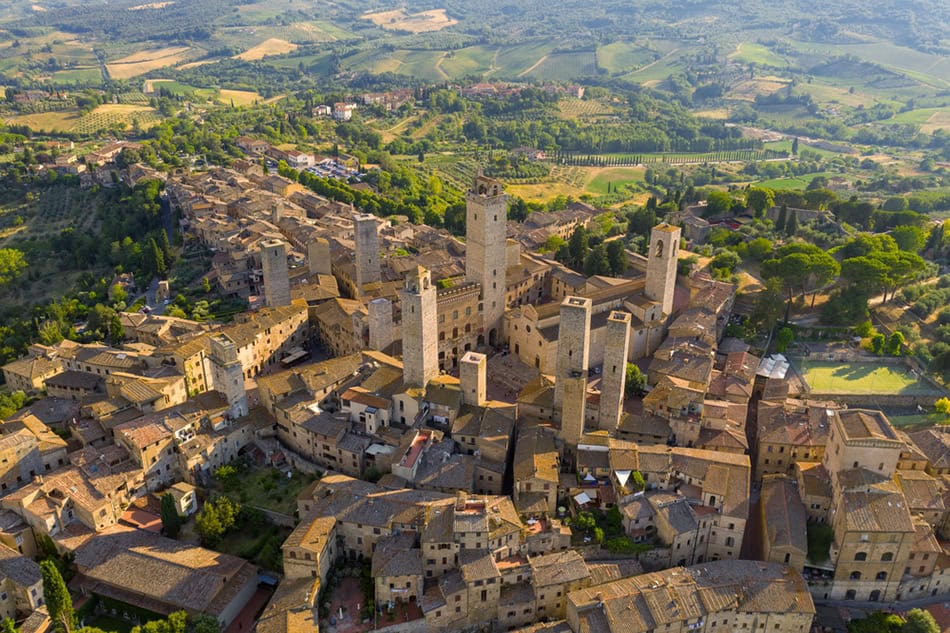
column 583, row 109
column 110, row 116
column 675, row 158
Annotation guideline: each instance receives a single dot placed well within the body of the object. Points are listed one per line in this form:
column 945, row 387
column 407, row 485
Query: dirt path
column 536, row 64
column 438, row 66
column 655, row 62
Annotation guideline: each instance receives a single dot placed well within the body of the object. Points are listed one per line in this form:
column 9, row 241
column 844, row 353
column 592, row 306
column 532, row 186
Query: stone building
column 276, row 276
column 419, row 342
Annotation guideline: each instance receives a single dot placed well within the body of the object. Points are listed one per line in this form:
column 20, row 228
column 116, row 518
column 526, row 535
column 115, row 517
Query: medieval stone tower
column 420, row 332
column 570, row 386
column 661, row 265
column 380, row 323
column 614, row 374
column 472, row 377
column 276, row 279
column 485, row 250
column 367, row 250
column 227, row 375
column 318, row 256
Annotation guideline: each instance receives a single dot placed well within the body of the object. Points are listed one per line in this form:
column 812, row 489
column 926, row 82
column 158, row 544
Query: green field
column 787, row 184
column 916, row 419
column 758, row 54
column 565, row 66
column 616, row 177
column 620, row 57
column 78, row 75
column 861, row 378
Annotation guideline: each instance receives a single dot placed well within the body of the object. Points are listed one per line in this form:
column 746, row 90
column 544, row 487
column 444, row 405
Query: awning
column 623, row 476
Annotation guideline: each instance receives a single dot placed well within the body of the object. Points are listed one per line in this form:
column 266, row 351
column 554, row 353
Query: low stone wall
column 278, row 518
column 877, row 401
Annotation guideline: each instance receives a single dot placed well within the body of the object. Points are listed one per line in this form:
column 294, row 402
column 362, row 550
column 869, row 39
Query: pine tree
column 58, row 602
column 795, row 147
column 171, row 522
column 156, row 259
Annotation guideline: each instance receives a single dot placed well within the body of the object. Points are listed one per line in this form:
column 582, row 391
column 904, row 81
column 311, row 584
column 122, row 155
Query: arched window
column 887, row 557
column 850, row 594
column 881, row 575
column 875, row 596
column 659, row 248
column 855, row 575
column 861, row 556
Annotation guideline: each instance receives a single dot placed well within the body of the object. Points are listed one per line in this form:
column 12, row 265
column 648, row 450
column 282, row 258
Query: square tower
column 661, row 265
column 318, row 256
column 380, row 323
column 420, row 332
column 570, row 386
column 366, row 237
column 486, row 207
column 227, row 375
column 614, row 375
column 276, row 279
column 473, row 378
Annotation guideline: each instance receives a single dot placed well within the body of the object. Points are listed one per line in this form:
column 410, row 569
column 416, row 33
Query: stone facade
column 571, row 381
column 485, row 250
column 419, row 342
column 661, row 265
column 614, row 374
column 276, row 279
column 366, row 235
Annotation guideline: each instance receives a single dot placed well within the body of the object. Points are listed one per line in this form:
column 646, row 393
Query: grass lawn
column 616, row 176
column 861, row 378
column 268, row 489
column 819, row 541
column 917, row 419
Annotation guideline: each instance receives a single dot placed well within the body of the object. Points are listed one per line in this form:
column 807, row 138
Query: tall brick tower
column 227, row 375
column 614, row 374
column 661, row 265
column 276, row 277
column 420, row 344
column 486, row 205
column 570, row 387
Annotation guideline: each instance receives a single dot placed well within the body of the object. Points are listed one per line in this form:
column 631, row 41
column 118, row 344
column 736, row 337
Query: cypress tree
column 171, row 522
column 792, row 226
column 58, row 601
column 782, row 219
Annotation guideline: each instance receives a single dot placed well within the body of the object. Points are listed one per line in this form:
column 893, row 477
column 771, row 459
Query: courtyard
column 862, row 378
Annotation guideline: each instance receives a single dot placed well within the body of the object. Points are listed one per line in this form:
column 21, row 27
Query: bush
column 865, row 329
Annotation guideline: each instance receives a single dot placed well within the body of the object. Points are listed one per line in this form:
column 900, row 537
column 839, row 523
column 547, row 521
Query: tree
column 785, row 337
column 205, row 285
column 795, row 147
column 909, row 238
column 768, row 304
column 635, row 379
column 577, row 248
column 717, row 203
column 215, row 518
column 57, row 598
column 894, row 344
column 171, row 522
column 877, row 622
column 617, row 256
column 782, row 219
column 791, row 228
column 942, row 405
column 759, row 248
column 597, row 262
column 877, row 343
column 638, row 483
column 8, row 626
column 920, row 621
column 759, row 199
column 12, row 263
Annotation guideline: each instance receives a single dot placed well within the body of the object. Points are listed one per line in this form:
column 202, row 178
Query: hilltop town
column 457, row 437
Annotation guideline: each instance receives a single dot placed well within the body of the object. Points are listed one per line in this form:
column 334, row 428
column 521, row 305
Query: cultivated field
column 238, row 97
column 423, row 22
column 272, row 46
column 146, row 61
column 103, row 117
column 861, row 378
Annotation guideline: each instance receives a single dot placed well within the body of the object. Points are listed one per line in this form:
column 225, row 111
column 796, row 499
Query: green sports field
column 860, row 378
